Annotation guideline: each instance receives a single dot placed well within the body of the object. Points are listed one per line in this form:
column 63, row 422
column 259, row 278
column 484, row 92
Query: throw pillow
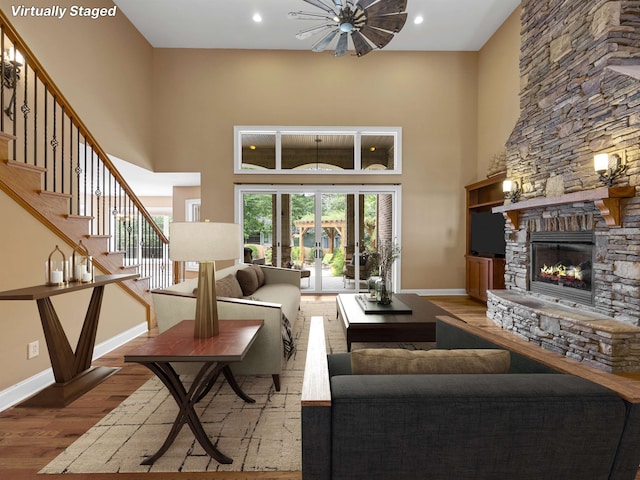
column 228, row 287
column 248, row 280
column 397, row 361
column 259, row 274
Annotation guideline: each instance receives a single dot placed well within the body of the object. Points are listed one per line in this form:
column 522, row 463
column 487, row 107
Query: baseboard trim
column 436, row 292
column 28, row 387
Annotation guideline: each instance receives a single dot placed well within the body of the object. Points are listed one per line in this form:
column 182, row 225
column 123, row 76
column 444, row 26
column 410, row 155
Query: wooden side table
column 72, row 370
column 216, row 353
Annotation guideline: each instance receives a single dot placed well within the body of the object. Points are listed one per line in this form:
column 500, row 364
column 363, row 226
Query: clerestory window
column 325, row 150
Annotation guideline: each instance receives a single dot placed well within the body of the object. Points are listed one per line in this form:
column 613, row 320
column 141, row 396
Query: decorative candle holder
column 81, row 264
column 57, row 269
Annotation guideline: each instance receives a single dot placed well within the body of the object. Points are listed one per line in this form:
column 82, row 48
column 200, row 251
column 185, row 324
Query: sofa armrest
column 281, row 275
column 315, row 383
column 316, row 407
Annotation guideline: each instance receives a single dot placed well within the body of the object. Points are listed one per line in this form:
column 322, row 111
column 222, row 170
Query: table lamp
column 205, row 242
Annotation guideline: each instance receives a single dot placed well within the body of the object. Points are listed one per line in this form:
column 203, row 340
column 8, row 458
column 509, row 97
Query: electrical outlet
column 33, row 349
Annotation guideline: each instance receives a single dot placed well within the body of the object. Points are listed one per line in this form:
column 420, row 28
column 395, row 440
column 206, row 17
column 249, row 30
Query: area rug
column 263, row 436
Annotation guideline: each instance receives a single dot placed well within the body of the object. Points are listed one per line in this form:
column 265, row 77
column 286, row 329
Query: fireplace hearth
column 561, row 265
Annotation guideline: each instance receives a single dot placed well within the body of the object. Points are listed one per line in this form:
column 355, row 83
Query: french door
column 325, row 231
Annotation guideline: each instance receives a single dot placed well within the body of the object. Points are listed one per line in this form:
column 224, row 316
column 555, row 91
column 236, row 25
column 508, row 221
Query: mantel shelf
column 606, row 199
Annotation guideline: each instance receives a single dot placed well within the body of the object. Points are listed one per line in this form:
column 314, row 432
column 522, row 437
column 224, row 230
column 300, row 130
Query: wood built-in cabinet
column 483, row 273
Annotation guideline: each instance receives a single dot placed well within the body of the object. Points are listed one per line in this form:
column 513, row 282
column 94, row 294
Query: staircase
column 53, row 167
column 23, row 183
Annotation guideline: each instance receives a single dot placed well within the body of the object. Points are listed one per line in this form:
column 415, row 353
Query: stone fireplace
column 574, row 104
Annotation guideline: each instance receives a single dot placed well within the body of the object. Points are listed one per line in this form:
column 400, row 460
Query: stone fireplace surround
column 574, row 103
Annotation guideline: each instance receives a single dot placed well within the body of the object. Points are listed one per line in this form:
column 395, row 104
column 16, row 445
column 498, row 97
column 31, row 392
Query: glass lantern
column 81, row 265
column 56, row 268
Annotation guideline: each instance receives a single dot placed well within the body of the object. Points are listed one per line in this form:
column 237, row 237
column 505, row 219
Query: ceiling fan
column 371, row 24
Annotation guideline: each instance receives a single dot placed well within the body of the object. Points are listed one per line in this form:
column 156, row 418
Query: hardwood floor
column 31, row 437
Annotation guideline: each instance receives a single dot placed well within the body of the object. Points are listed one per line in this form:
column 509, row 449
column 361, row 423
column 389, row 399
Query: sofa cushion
column 248, row 280
column 228, row 287
column 398, row 361
column 259, row 274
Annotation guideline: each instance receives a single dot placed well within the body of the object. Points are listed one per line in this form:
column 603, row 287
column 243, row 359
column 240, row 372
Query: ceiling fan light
column 346, row 27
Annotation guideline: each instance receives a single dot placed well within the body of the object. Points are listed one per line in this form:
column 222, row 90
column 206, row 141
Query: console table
column 73, row 372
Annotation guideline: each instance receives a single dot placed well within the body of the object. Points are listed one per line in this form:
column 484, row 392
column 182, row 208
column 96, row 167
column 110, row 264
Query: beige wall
column 432, row 96
column 25, row 246
column 145, row 110
column 498, row 91
column 102, row 67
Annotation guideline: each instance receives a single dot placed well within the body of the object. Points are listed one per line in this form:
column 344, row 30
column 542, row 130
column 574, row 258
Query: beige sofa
column 277, row 298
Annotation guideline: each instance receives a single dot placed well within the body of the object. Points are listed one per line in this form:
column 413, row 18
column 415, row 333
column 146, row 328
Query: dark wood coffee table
column 216, row 353
column 417, row 326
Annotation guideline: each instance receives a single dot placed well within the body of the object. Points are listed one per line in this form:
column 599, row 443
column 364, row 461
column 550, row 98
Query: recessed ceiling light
column 418, row 20
column 257, row 17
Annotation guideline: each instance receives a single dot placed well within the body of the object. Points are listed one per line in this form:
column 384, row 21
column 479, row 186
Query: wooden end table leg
column 228, row 374
column 186, row 401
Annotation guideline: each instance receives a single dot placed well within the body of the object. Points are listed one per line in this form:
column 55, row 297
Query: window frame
column 357, row 132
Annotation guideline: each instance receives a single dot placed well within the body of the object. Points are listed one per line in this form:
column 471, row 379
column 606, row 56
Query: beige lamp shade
column 204, row 241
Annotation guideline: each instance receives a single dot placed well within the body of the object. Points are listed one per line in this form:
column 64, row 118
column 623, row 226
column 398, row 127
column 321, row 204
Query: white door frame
column 394, row 190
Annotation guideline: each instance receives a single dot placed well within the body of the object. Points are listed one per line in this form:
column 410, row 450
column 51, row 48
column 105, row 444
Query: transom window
column 333, row 150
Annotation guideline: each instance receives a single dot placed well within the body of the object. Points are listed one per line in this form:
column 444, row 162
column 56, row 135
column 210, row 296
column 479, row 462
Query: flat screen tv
column 487, row 235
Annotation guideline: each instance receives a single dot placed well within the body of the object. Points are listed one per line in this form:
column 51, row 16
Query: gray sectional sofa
column 529, row 424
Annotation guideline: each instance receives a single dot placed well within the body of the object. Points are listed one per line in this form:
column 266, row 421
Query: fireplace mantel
column 606, row 199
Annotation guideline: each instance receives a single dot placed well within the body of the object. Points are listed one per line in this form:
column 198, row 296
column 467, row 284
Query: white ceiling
column 455, row 25
column 146, row 183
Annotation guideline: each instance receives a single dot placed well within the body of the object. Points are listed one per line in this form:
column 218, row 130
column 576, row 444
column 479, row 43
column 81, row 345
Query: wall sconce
column 11, row 63
column 608, row 173
column 511, row 190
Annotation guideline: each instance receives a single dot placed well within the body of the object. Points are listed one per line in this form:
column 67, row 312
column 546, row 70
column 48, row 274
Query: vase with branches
column 386, row 254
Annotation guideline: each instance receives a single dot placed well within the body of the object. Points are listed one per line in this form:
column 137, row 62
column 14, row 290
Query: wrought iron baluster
column 62, row 148
column 25, row 109
column 54, row 144
column 2, row 75
column 35, row 122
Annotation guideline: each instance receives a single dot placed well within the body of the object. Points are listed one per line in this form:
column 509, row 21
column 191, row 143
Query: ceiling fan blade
column 322, row 45
column 392, row 23
column 378, row 37
column 385, row 8
column 341, row 48
column 309, row 16
column 365, row 3
column 360, row 43
column 321, row 5
column 312, row 31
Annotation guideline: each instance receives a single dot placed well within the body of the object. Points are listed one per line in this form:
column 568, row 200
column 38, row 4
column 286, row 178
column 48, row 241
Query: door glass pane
column 258, row 151
column 303, row 237
column 377, row 152
column 331, row 258
column 317, row 152
column 258, row 225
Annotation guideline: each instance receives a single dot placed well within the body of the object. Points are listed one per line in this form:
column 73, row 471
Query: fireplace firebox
column 561, row 265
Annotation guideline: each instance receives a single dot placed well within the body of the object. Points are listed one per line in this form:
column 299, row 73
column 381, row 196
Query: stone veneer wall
column 573, row 106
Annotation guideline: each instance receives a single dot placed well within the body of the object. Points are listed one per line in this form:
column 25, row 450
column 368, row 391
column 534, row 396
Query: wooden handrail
column 44, row 77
